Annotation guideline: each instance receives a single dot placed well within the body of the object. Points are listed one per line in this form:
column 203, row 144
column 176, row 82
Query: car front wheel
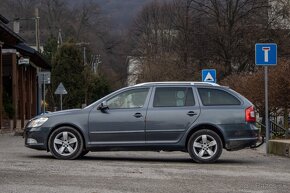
column 205, row 146
column 66, row 143
column 84, row 152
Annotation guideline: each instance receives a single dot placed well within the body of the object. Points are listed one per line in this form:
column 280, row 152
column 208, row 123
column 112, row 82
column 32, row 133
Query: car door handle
column 191, row 113
column 137, row 115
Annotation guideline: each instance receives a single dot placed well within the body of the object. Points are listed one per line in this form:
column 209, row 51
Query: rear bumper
column 237, row 144
column 248, row 137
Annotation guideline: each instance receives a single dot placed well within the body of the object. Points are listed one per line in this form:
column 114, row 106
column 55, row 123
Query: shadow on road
column 150, row 159
column 137, row 159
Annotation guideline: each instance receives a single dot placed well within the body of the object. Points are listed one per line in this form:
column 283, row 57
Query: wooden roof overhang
column 12, row 40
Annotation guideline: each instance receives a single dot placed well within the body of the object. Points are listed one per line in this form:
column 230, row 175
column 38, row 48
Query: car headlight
column 37, row 122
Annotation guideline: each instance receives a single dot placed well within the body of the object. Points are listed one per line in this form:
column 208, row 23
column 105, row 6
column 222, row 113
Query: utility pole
column 37, row 37
column 37, row 44
column 84, row 44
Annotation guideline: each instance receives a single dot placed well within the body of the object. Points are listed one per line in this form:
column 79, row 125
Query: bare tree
column 252, row 86
column 183, row 19
column 210, row 33
column 163, row 48
column 55, row 13
column 231, row 26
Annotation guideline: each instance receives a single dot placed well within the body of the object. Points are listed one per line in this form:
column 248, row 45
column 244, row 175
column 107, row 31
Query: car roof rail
column 205, row 83
column 177, row 83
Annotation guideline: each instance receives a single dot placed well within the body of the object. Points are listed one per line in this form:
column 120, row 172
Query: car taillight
column 250, row 114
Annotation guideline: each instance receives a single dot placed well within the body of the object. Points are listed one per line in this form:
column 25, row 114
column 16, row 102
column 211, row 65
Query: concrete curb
column 12, row 133
column 279, row 147
column 18, row 133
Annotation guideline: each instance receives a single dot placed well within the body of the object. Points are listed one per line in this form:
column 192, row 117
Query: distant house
column 133, row 70
column 19, row 65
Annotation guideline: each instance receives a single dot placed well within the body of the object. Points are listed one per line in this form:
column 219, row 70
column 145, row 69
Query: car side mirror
column 103, row 106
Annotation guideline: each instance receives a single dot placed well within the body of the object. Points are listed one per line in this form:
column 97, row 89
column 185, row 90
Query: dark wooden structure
column 18, row 84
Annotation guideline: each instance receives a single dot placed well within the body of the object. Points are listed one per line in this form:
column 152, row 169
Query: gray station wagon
column 199, row 118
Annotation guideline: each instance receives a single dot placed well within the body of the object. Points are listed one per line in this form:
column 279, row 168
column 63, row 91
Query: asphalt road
column 25, row 170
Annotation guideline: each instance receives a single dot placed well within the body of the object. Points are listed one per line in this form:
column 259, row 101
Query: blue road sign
column 209, row 75
column 266, row 54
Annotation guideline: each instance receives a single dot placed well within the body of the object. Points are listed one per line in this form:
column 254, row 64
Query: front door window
column 129, row 99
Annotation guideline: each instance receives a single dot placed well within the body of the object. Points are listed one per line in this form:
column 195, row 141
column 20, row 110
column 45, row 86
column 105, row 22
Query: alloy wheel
column 205, row 146
column 65, row 143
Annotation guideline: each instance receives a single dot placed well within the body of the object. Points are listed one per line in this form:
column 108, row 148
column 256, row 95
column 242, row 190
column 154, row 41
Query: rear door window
column 173, row 97
column 214, row 97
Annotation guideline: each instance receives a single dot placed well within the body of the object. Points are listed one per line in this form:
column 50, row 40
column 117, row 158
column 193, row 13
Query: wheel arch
column 66, row 125
column 208, row 127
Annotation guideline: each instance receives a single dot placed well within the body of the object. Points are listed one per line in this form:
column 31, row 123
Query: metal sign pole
column 43, row 93
column 267, row 111
column 60, row 90
column 266, row 55
column 1, row 86
column 61, row 102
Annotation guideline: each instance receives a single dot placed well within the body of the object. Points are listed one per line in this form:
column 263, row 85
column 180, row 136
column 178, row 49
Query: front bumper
column 36, row 138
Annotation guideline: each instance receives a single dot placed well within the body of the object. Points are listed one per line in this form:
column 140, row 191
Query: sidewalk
column 8, row 128
column 15, row 132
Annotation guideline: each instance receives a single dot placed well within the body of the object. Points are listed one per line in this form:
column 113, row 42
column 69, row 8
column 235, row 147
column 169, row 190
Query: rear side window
column 173, row 97
column 211, row 97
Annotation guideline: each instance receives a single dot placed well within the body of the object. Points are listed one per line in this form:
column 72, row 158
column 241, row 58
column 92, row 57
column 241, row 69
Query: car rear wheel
column 66, row 143
column 205, row 146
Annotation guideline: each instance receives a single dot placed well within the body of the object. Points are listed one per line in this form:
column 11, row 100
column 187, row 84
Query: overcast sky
column 122, row 12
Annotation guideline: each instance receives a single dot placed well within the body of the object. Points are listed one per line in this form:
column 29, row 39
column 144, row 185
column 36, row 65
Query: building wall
column 19, row 86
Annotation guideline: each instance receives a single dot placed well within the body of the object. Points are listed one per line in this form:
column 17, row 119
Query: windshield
column 104, row 98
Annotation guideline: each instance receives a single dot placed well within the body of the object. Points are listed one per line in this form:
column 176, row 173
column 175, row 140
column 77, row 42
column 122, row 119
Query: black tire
column 205, row 146
column 84, row 152
column 66, row 143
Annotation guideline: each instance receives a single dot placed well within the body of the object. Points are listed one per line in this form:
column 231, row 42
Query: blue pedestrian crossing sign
column 266, row 54
column 209, row 75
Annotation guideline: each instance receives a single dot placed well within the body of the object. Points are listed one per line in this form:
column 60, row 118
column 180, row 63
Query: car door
column 124, row 120
column 221, row 106
column 171, row 112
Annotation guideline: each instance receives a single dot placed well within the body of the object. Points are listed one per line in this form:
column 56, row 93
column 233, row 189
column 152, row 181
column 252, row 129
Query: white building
column 134, row 69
